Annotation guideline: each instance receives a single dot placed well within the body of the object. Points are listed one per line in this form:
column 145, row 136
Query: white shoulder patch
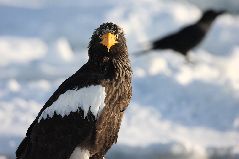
column 79, row 153
column 88, row 99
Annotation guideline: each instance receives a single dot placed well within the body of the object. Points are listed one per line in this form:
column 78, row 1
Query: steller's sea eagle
column 82, row 118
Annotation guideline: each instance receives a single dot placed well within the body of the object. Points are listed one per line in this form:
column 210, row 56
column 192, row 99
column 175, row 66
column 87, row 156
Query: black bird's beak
column 109, row 40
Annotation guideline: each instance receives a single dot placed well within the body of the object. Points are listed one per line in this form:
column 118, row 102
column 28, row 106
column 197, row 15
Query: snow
column 229, row 5
column 13, row 85
column 88, row 98
column 78, row 153
column 166, row 131
column 178, row 110
column 20, row 50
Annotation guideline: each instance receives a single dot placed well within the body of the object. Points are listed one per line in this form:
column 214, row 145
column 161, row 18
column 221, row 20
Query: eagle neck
column 122, row 68
column 113, row 68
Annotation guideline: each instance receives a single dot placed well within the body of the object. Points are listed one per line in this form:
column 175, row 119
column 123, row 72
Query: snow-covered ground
column 178, row 110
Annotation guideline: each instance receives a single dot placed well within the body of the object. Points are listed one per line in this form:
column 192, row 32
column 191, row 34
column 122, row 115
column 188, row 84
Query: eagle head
column 108, row 41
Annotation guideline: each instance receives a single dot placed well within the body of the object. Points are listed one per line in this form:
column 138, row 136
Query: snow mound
column 20, row 50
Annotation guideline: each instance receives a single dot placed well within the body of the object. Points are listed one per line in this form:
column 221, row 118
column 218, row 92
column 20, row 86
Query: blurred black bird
column 81, row 120
column 187, row 38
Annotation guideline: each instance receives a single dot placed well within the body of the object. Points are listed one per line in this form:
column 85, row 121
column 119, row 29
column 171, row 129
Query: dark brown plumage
column 57, row 136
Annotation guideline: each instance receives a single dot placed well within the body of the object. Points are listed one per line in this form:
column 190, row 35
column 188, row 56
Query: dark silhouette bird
column 187, row 38
column 82, row 118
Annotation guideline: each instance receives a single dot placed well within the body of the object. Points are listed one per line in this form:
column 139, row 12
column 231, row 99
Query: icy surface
column 87, row 98
column 177, row 108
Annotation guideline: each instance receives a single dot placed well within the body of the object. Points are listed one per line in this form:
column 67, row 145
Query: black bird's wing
column 56, row 137
column 181, row 41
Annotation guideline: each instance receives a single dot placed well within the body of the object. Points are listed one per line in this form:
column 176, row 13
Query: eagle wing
column 57, row 135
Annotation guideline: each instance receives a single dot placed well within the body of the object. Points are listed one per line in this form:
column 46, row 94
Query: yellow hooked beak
column 108, row 40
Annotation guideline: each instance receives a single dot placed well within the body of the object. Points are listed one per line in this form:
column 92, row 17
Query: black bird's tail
column 147, row 48
column 142, row 52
